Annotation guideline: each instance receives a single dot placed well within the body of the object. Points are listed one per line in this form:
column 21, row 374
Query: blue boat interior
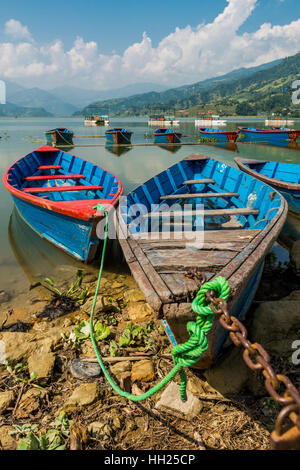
column 207, row 182
column 58, row 170
column 287, row 172
column 165, row 131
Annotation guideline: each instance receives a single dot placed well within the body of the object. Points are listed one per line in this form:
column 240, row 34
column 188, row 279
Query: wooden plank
column 203, row 181
column 54, row 177
column 181, row 286
column 170, row 245
column 58, row 189
column 199, row 196
column 158, row 284
column 205, row 213
column 210, row 236
column 182, row 260
column 50, row 167
column 145, row 285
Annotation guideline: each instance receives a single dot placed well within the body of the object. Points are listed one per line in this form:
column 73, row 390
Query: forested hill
column 247, row 91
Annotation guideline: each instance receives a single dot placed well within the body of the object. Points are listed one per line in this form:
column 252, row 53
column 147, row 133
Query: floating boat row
column 197, row 217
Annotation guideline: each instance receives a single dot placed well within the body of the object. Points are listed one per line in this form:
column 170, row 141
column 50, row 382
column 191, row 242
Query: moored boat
column 278, row 121
column 284, row 177
column 59, row 137
column 269, row 135
column 209, row 121
column 227, row 229
column 219, row 136
column 93, row 120
column 162, row 120
column 56, row 193
column 118, row 135
column 167, row 136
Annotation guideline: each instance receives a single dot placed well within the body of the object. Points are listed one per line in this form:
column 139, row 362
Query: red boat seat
column 57, row 189
column 50, row 167
column 54, row 177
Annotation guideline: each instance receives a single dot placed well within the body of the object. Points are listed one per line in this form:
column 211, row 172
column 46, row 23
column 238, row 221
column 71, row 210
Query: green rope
column 184, row 355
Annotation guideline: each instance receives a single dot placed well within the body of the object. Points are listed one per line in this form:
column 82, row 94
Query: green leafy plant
column 53, row 439
column 75, row 291
column 134, row 335
column 82, row 331
column 19, row 369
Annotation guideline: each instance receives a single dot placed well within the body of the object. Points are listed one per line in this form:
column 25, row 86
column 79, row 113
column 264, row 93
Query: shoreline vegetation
column 44, row 405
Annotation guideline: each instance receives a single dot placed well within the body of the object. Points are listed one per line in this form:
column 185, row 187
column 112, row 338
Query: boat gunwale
column 57, row 206
column 265, row 179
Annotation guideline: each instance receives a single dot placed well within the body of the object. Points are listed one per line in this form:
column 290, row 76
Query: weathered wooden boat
column 284, row 177
column 162, row 120
column 56, row 194
column 219, row 136
column 118, row 135
column 167, row 136
column 96, row 120
column 59, row 137
column 209, row 121
column 269, row 135
column 230, row 234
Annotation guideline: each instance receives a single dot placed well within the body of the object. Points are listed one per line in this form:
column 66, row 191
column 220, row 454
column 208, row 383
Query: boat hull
column 269, row 136
column 118, row 137
column 290, row 191
column 59, row 139
column 222, row 137
column 167, row 138
column 77, row 239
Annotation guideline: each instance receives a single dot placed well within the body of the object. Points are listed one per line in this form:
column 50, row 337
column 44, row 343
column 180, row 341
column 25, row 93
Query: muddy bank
column 43, row 404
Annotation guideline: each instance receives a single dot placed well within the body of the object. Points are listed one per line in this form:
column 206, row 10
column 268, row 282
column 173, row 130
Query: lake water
column 24, row 257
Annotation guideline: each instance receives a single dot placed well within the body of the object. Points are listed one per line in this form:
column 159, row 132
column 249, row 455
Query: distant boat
column 162, row 120
column 56, row 193
column 284, row 177
column 228, row 227
column 167, row 136
column 59, row 137
column 269, row 135
column 96, row 120
column 118, row 135
column 278, row 121
column 209, row 121
column 220, row 136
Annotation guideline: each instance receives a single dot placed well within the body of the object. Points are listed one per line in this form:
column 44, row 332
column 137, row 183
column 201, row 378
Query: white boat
column 162, row 121
column 210, row 121
column 279, row 121
column 96, row 121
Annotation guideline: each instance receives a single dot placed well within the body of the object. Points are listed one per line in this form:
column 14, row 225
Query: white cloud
column 15, row 29
column 185, row 56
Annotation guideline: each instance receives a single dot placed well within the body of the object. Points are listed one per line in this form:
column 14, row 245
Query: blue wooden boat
column 284, row 177
column 219, row 136
column 59, row 137
column 118, row 135
column 268, row 135
column 229, row 226
column 167, row 136
column 56, row 193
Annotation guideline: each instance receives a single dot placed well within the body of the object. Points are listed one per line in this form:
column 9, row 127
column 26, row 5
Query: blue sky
column 116, row 25
column 184, row 41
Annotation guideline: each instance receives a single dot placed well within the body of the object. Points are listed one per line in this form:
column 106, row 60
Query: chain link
column 257, row 359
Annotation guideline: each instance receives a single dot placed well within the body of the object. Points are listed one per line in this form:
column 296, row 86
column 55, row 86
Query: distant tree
column 245, row 109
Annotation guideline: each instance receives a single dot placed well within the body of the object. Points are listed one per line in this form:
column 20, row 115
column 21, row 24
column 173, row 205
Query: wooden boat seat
column 56, row 189
column 205, row 213
column 199, row 196
column 50, row 167
column 54, row 177
column 204, row 181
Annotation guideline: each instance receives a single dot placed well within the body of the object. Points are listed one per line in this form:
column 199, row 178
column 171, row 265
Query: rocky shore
column 45, row 405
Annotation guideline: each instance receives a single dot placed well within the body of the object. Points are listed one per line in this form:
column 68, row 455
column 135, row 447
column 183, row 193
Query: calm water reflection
column 133, row 165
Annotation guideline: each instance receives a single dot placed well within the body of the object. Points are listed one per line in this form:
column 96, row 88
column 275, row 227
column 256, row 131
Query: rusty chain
column 284, row 437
